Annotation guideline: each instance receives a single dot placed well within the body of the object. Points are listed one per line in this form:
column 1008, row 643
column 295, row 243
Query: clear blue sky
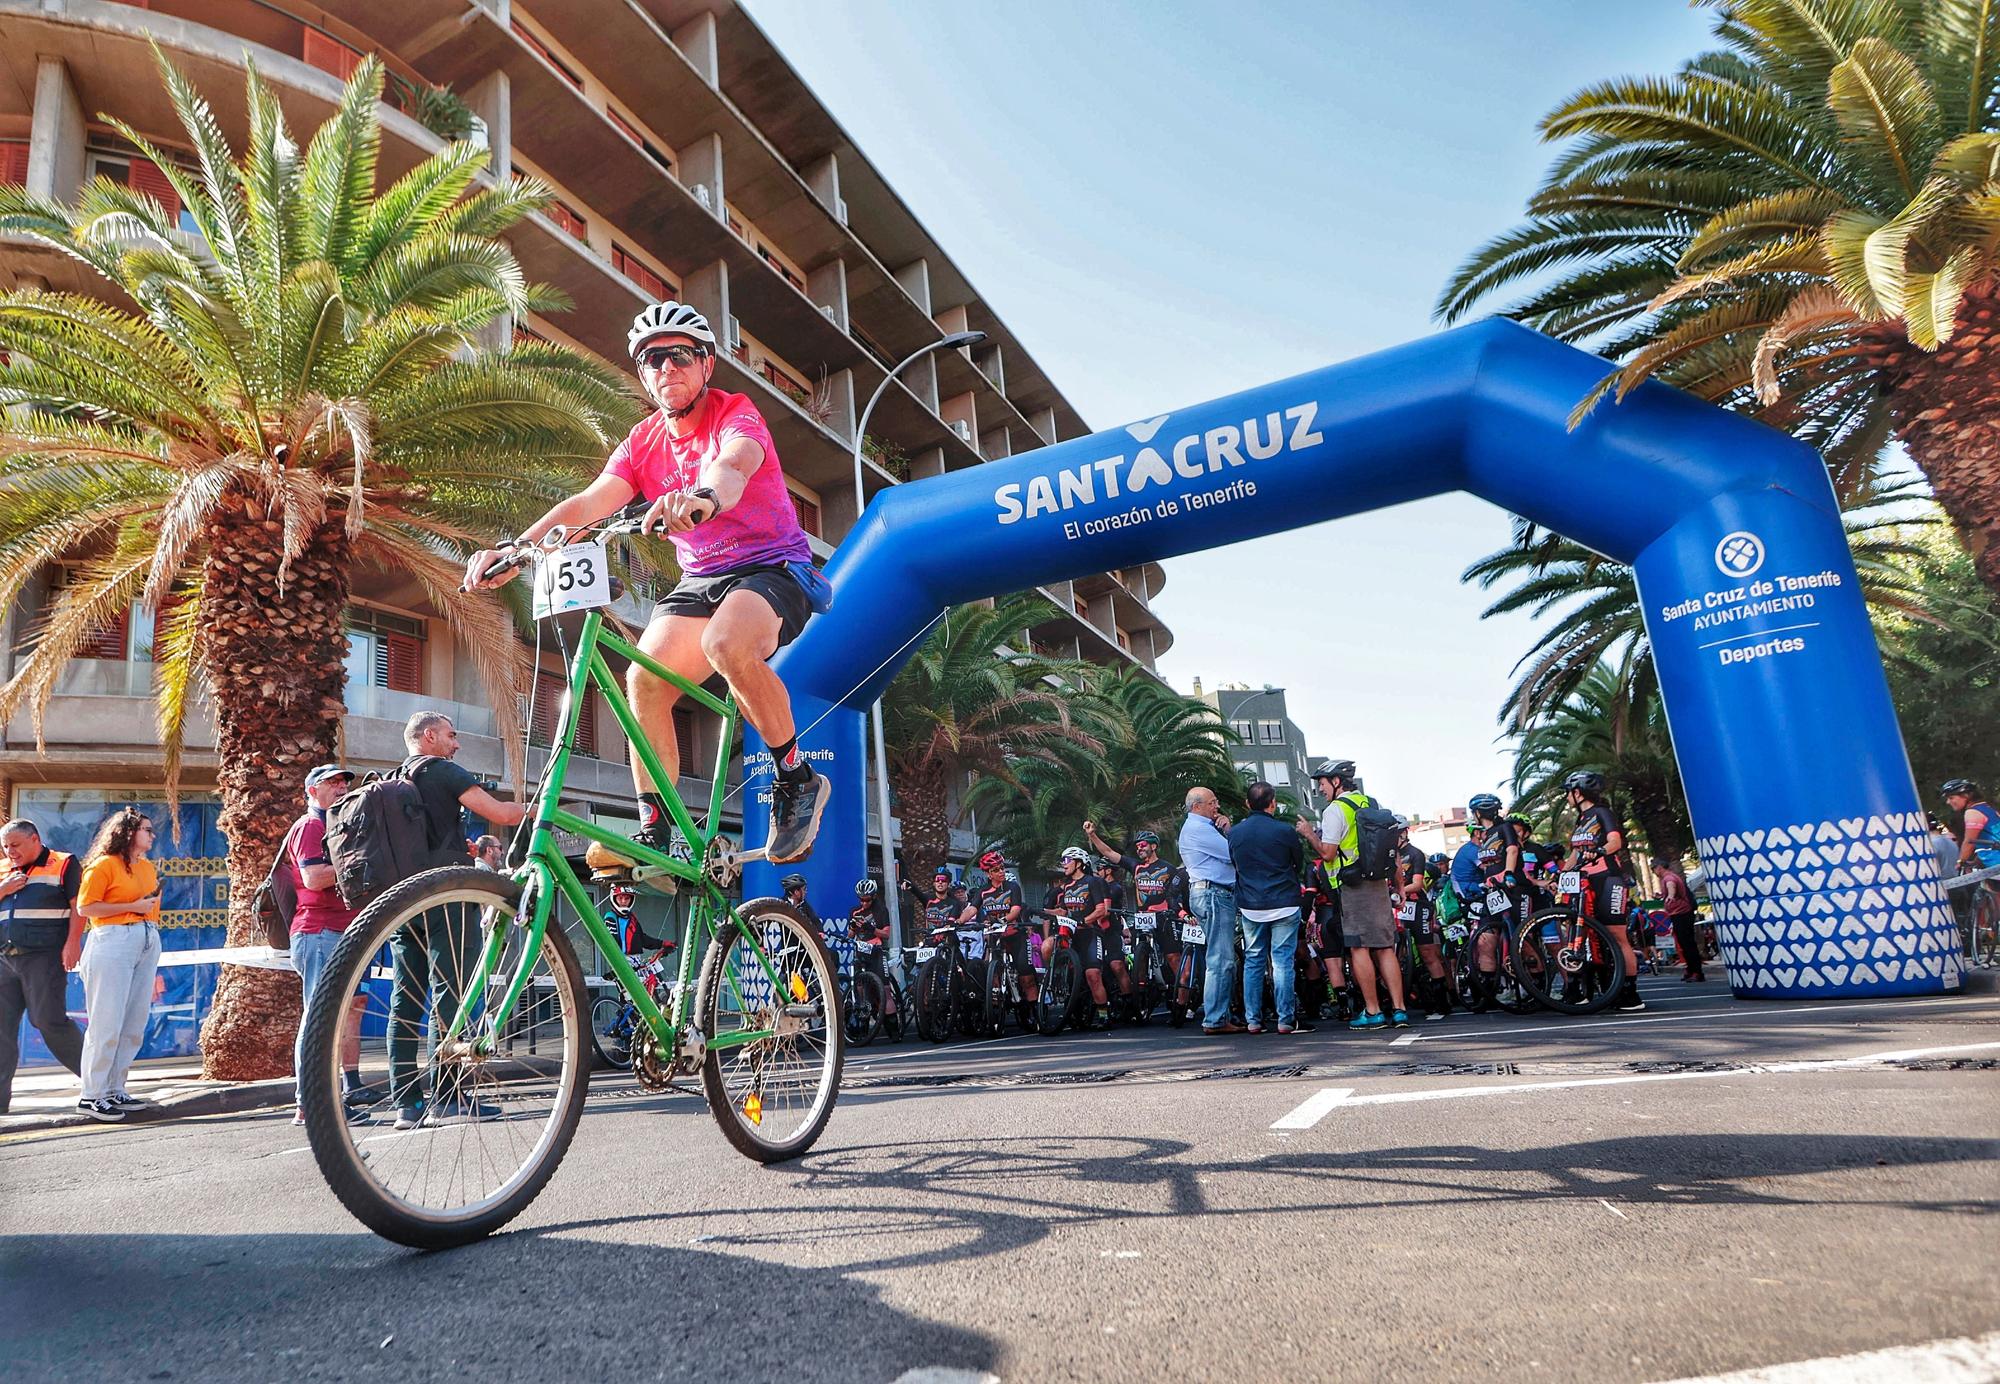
column 1170, row 201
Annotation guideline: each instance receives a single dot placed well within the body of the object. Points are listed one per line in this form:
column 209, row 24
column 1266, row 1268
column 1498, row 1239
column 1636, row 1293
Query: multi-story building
column 1269, row 745
column 689, row 160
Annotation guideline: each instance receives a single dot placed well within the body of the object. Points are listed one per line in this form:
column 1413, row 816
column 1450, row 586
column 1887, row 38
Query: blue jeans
column 1215, row 905
column 1271, row 943
column 310, row 953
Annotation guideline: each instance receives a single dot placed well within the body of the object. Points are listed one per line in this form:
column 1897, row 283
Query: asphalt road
column 1693, row 1190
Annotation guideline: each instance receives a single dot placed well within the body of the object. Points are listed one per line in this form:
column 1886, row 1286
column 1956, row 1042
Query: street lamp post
column 889, row 881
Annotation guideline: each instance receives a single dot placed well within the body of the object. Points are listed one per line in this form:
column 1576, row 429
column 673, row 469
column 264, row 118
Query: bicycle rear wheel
column 864, row 1009
column 773, row 1095
column 1568, row 962
column 480, row 1122
column 1501, row 988
column 1058, row 993
column 611, row 1032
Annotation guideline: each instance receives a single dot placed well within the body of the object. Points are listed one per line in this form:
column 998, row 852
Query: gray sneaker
column 795, row 814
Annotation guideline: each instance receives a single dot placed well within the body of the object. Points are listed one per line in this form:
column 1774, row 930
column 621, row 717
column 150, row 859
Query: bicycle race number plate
column 1191, row 932
column 1143, row 924
column 1497, row 901
column 572, row 578
column 1407, row 913
column 925, row 953
column 1570, row 883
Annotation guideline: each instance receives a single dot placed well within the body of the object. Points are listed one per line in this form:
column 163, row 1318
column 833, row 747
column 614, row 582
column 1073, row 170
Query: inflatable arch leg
column 1821, row 875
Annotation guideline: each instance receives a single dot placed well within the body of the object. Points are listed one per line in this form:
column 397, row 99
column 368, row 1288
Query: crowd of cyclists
column 1510, row 921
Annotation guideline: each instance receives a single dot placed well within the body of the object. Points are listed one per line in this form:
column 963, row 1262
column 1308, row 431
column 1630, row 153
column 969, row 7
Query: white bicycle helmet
column 668, row 319
column 1078, row 854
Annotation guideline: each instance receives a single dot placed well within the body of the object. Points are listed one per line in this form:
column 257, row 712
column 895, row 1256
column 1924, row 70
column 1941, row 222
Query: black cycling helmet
column 1146, row 838
column 1342, row 769
column 1482, row 803
column 1586, row 781
column 794, row 880
column 1953, row 787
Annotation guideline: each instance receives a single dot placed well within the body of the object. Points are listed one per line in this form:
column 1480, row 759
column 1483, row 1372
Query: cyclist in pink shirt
column 705, row 462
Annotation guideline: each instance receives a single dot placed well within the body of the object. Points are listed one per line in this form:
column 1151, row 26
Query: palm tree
column 974, row 701
column 1804, row 224
column 294, row 396
column 1597, row 614
column 1613, row 722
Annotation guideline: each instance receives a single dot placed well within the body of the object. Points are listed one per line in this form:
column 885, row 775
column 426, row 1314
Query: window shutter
column 402, row 663
column 329, row 54
column 108, row 640
column 147, row 178
column 808, row 513
column 568, row 220
column 14, row 161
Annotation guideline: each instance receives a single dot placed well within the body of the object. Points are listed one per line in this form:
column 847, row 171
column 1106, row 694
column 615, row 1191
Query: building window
column 770, row 257
column 628, row 264
column 569, row 74
column 808, row 513
column 384, row 650
column 141, row 176
column 872, row 346
column 549, row 690
column 1277, row 773
column 14, row 161
column 329, row 54
column 523, row 335
column 646, row 146
column 565, row 216
column 784, row 383
column 1241, row 730
column 1271, row 732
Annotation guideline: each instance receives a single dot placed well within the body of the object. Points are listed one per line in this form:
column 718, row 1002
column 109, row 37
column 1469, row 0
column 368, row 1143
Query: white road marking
column 1322, row 1103
column 1612, row 1209
column 1315, row 1108
column 1721, row 1011
column 1964, row 1360
column 1405, row 1040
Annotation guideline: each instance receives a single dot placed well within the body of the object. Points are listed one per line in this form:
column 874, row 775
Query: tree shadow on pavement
column 534, row 1306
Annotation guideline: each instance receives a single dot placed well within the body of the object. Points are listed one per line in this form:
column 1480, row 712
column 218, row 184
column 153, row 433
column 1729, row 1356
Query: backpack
column 277, row 898
column 1374, row 840
column 378, row 834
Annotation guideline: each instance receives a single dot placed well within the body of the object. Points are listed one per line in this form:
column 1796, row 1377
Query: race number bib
column 1571, row 882
column 1191, row 932
column 572, row 578
column 1497, row 902
column 1407, row 913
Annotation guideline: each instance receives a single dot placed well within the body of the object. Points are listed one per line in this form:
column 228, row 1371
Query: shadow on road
column 533, row 1305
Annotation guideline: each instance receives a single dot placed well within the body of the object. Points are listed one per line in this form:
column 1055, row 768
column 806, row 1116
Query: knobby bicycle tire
column 1564, row 975
column 1059, row 991
column 605, row 1016
column 864, row 1019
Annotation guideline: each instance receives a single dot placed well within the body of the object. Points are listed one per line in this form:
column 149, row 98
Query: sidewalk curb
column 231, row 1099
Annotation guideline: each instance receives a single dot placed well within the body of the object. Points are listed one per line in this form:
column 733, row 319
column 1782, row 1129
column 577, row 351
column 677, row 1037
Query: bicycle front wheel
column 864, row 1009
column 611, row 1033
column 1569, row 962
column 479, row 1122
column 771, row 1093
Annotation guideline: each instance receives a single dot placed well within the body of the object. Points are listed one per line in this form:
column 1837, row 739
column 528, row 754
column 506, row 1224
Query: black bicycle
column 1063, row 994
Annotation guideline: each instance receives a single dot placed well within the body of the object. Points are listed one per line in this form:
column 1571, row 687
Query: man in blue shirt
column 1269, row 857
column 1212, row 899
column 1465, row 871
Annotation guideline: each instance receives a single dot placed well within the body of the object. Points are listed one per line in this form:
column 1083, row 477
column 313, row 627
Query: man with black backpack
column 1356, row 836
column 430, row 970
column 302, row 887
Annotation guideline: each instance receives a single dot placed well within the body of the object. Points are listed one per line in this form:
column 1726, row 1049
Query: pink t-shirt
column 762, row 528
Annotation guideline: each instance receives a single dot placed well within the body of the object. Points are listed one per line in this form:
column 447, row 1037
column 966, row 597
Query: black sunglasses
column 655, row 357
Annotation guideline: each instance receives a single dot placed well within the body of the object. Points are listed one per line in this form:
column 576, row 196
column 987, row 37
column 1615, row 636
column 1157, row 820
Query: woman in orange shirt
column 120, row 902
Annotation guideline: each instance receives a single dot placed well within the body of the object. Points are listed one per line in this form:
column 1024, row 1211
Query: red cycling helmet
column 993, row 860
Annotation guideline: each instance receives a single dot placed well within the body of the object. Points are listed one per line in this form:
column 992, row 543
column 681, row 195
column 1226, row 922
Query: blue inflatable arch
column 1809, row 825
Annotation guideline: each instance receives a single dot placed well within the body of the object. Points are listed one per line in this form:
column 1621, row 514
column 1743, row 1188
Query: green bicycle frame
column 546, row 871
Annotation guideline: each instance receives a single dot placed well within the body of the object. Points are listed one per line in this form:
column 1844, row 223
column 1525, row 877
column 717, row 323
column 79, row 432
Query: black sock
column 652, row 810
column 350, row 1079
column 792, row 766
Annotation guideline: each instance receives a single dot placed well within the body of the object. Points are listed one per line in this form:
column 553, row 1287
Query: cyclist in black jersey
column 1597, row 848
column 999, row 904
column 947, row 906
column 1499, row 868
column 1159, row 887
column 1419, row 918
column 868, row 922
column 1086, row 899
column 794, row 886
column 1107, row 870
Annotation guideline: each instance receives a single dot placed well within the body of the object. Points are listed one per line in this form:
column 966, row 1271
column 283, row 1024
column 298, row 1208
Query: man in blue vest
column 41, row 937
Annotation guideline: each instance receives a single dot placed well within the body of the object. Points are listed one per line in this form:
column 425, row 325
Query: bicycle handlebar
column 627, row 521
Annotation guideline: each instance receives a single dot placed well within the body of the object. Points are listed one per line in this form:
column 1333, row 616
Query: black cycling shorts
column 703, row 596
column 1425, row 929
column 1611, row 899
column 1099, row 945
column 1015, row 944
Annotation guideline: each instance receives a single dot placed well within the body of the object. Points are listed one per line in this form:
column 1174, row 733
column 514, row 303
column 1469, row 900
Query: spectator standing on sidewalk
column 1268, row 856
column 41, row 937
column 318, row 919
column 1204, row 844
column 488, row 852
column 430, row 970
column 119, row 899
column 1677, row 902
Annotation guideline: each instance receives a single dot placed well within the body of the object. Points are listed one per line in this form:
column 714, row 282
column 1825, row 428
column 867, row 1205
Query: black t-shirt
column 1594, row 826
column 440, row 783
column 942, row 912
column 1117, row 893
column 868, row 921
column 1155, row 886
column 1416, row 865
column 1493, row 844
column 1078, row 899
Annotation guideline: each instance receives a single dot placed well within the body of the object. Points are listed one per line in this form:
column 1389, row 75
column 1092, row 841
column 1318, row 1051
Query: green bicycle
column 475, row 1028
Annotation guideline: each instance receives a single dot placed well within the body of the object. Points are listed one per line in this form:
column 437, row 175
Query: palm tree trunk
column 920, row 801
column 1947, row 410
column 276, row 668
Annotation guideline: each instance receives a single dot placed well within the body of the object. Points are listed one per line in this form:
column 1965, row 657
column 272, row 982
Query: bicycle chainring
column 652, row 1069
